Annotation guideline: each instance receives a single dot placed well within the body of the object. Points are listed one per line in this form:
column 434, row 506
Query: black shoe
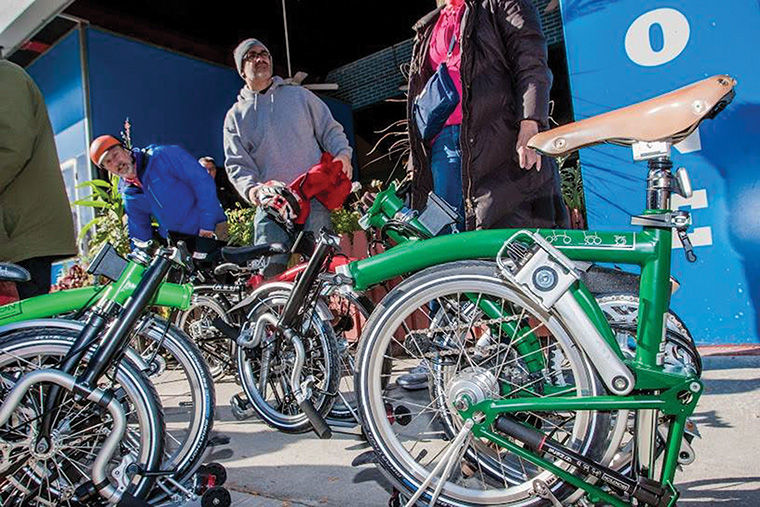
column 416, row 379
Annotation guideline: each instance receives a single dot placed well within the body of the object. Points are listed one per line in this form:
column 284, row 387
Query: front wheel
column 265, row 369
column 29, row 477
column 468, row 327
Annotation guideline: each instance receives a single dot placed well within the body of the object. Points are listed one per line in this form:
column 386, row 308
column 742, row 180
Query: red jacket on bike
column 326, row 182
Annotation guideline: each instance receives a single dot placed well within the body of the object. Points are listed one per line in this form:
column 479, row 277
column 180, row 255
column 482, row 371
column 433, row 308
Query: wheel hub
column 475, row 383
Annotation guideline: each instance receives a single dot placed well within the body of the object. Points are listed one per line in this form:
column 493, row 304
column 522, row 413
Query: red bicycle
column 226, row 302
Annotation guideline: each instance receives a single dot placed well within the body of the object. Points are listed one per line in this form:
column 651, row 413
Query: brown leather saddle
column 667, row 118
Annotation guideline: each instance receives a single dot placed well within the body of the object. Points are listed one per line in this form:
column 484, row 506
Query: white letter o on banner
column 675, row 34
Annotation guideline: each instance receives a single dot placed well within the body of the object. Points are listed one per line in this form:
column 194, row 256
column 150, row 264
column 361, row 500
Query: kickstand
column 448, row 459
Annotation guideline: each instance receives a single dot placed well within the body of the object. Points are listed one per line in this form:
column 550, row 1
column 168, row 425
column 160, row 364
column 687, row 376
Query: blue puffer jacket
column 176, row 190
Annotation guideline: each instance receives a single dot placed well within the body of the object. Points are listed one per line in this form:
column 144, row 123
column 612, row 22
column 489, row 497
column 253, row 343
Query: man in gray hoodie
column 277, row 131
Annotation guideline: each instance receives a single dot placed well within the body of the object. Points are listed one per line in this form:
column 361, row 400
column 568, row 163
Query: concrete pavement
column 727, row 469
column 268, row 468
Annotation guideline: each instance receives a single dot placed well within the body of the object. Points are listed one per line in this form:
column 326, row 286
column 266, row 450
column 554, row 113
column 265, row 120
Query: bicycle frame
column 171, row 295
column 673, row 393
column 649, row 249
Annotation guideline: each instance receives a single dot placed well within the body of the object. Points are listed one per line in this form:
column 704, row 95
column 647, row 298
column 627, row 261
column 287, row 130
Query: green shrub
column 240, row 225
column 110, row 222
column 345, row 221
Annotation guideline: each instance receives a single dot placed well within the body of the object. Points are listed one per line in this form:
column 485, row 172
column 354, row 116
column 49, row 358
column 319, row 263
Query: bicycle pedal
column 242, row 409
column 240, row 401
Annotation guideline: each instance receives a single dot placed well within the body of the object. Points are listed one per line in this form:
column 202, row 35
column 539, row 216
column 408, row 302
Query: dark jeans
column 39, row 269
column 446, row 165
column 268, row 230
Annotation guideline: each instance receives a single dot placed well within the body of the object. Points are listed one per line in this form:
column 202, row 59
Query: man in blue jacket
column 164, row 182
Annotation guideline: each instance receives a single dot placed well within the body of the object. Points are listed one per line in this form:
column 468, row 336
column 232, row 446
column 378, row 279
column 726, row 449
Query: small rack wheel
column 218, row 471
column 216, row 497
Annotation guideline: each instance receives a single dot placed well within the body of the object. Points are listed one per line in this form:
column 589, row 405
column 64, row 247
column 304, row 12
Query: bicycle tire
column 323, row 354
column 188, row 456
column 52, row 344
column 397, row 461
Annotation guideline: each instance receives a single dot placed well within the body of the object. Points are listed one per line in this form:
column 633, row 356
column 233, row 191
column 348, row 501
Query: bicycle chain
column 430, row 333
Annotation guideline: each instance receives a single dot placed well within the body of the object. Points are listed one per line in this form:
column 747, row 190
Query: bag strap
column 451, row 46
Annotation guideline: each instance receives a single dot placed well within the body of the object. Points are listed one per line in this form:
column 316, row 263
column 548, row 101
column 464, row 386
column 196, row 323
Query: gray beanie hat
column 242, row 49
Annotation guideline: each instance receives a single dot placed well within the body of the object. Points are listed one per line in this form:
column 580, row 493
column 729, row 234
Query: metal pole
column 287, row 38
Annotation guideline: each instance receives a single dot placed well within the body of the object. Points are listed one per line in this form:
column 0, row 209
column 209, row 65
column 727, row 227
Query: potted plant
column 572, row 192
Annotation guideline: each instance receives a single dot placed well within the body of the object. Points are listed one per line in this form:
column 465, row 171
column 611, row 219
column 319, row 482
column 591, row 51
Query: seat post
column 659, row 183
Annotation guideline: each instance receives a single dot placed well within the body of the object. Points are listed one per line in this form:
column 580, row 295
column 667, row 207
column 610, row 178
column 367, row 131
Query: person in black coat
column 226, row 193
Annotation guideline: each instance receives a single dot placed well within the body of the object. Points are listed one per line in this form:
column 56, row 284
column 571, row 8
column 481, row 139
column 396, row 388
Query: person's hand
column 253, row 194
column 345, row 161
column 203, row 233
column 527, row 156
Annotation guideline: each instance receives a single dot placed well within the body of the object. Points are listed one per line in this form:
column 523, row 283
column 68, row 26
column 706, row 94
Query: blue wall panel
column 58, row 73
column 169, row 98
column 620, row 52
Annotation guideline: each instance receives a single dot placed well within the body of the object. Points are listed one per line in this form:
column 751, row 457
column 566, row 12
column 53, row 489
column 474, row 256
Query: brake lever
column 688, row 249
column 180, row 255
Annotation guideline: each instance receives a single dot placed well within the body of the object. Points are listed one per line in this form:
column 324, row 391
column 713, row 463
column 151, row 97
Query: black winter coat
column 505, row 79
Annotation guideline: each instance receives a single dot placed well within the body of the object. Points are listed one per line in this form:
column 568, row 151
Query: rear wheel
column 680, row 353
column 437, row 318
column 622, row 312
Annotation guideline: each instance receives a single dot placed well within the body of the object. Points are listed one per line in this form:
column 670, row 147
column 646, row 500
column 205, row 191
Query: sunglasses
column 251, row 55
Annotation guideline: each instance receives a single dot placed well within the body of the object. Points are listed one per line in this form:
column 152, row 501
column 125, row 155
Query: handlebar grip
column 318, row 422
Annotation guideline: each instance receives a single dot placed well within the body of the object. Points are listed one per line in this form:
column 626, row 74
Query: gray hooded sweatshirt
column 278, row 135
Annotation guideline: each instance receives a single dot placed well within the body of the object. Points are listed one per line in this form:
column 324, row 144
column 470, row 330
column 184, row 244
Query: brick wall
column 551, row 22
column 379, row 76
column 373, row 78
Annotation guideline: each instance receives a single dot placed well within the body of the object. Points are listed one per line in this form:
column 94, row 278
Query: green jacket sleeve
column 17, row 120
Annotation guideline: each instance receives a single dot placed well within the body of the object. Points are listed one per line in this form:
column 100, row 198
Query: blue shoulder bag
column 435, row 103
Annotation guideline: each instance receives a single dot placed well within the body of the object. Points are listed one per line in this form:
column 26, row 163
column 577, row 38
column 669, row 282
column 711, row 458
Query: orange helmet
column 100, row 146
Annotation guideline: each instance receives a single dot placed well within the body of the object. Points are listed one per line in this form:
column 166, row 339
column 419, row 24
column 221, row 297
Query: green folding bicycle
column 531, row 399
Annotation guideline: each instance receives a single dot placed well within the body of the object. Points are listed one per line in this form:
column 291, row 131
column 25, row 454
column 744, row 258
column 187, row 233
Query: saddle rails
column 650, row 128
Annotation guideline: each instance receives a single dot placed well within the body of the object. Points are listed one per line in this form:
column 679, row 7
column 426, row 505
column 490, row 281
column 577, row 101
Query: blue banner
column 622, row 52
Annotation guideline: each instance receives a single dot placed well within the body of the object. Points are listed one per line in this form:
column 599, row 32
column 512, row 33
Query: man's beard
column 262, row 72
